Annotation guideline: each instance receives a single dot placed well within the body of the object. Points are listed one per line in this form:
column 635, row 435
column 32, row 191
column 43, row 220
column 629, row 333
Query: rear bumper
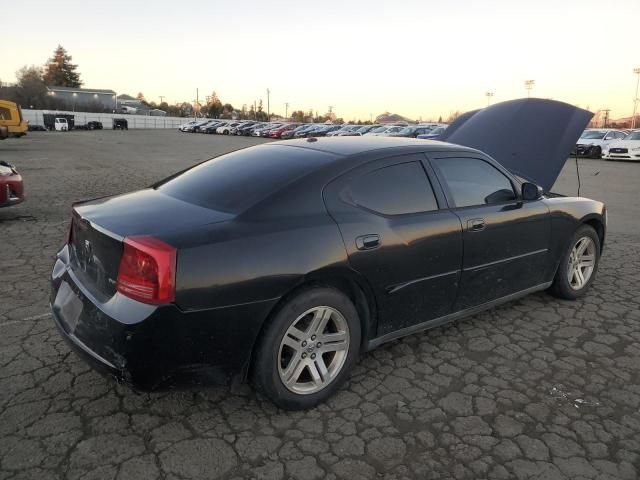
column 153, row 347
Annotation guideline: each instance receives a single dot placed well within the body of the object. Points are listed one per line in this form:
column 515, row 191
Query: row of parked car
column 286, row 130
column 609, row 144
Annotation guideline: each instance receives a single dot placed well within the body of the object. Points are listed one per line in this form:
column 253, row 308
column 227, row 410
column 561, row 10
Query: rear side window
column 394, row 190
column 472, row 181
column 236, row 181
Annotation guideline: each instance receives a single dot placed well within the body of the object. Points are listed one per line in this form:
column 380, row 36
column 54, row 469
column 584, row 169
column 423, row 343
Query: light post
column 75, row 95
column 115, row 102
column 635, row 99
column 286, row 110
column 268, row 109
column 489, row 95
column 528, row 84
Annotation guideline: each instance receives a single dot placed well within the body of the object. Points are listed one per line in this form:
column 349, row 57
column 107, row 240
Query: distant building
column 83, row 98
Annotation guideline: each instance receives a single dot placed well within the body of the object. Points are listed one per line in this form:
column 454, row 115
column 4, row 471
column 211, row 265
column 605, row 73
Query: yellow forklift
column 11, row 121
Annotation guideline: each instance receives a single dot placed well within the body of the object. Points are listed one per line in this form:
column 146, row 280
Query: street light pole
column 489, row 95
column 528, row 84
column 635, row 99
column 286, row 110
column 268, row 109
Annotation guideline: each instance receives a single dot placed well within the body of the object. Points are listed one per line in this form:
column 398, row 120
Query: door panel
column 508, row 255
column 506, row 240
column 412, row 261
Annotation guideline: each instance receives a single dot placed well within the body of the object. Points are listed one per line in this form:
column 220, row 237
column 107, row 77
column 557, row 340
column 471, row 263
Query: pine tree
column 60, row 72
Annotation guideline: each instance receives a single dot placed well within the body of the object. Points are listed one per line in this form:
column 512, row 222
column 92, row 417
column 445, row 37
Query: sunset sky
column 415, row 58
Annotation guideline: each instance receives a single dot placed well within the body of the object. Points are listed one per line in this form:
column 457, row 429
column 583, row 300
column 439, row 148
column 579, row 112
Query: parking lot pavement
column 537, row 388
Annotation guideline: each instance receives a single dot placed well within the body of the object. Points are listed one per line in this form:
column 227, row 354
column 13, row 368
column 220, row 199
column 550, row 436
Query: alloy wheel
column 313, row 350
column 582, row 261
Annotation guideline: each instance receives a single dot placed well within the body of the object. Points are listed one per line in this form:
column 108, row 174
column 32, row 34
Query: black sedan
column 282, row 262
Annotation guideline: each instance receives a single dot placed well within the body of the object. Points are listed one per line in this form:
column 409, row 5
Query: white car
column 384, row 131
column 225, row 129
column 627, row 149
column 593, row 141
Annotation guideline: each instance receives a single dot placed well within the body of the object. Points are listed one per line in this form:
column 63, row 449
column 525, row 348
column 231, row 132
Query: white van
column 61, row 125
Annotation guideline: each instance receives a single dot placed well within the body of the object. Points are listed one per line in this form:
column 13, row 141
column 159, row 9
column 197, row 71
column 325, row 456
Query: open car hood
column 531, row 137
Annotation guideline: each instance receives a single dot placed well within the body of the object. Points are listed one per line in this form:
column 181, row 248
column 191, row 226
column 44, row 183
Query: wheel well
column 598, row 227
column 344, row 285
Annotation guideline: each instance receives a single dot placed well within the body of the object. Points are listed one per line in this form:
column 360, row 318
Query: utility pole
column 371, row 117
column 286, row 110
column 161, row 98
column 635, row 99
column 528, row 84
column 195, row 109
column 606, row 117
column 268, row 109
column 489, row 94
column 255, row 110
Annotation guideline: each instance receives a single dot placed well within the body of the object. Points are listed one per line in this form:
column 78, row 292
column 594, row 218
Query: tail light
column 147, row 271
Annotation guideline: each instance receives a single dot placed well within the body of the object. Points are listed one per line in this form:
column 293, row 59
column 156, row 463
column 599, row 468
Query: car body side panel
column 238, row 262
column 567, row 213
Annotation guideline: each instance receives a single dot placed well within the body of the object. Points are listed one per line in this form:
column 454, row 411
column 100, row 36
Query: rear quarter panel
column 261, row 254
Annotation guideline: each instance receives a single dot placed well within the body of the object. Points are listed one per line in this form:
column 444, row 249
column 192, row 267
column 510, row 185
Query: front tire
column 308, row 349
column 596, row 152
column 578, row 266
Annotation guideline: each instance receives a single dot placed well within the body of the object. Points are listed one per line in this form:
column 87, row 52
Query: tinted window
column 394, row 190
column 235, row 181
column 474, row 182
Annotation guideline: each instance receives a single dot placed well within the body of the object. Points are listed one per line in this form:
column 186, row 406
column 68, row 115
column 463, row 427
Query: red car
column 11, row 188
column 277, row 132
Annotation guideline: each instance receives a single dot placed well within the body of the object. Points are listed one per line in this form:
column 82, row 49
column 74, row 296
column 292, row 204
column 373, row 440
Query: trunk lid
column 99, row 227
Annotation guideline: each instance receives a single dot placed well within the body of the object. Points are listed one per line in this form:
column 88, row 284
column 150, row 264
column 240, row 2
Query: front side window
column 395, row 190
column 472, row 181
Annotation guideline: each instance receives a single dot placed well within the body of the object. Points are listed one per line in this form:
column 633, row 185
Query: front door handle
column 476, row 224
column 368, row 242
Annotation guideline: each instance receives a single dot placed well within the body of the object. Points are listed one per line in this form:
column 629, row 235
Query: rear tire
column 307, row 350
column 583, row 254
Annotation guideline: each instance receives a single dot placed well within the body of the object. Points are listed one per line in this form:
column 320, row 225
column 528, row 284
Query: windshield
column 437, row 131
column 633, row 136
column 407, row 130
column 236, row 181
column 379, row 130
column 592, row 134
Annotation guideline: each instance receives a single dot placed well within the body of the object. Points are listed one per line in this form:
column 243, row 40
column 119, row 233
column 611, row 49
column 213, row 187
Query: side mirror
column 531, row 191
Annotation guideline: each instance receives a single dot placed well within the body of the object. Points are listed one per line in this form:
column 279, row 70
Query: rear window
column 238, row 180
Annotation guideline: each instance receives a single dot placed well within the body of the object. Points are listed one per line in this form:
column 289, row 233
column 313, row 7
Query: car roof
column 348, row 146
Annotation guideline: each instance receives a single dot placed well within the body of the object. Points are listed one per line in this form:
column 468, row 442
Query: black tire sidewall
column 561, row 287
column 265, row 375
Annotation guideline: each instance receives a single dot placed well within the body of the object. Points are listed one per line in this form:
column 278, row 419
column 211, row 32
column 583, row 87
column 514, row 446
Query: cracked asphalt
column 538, row 388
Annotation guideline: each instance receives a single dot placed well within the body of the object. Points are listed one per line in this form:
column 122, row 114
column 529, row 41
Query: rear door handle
column 476, row 224
column 368, row 242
